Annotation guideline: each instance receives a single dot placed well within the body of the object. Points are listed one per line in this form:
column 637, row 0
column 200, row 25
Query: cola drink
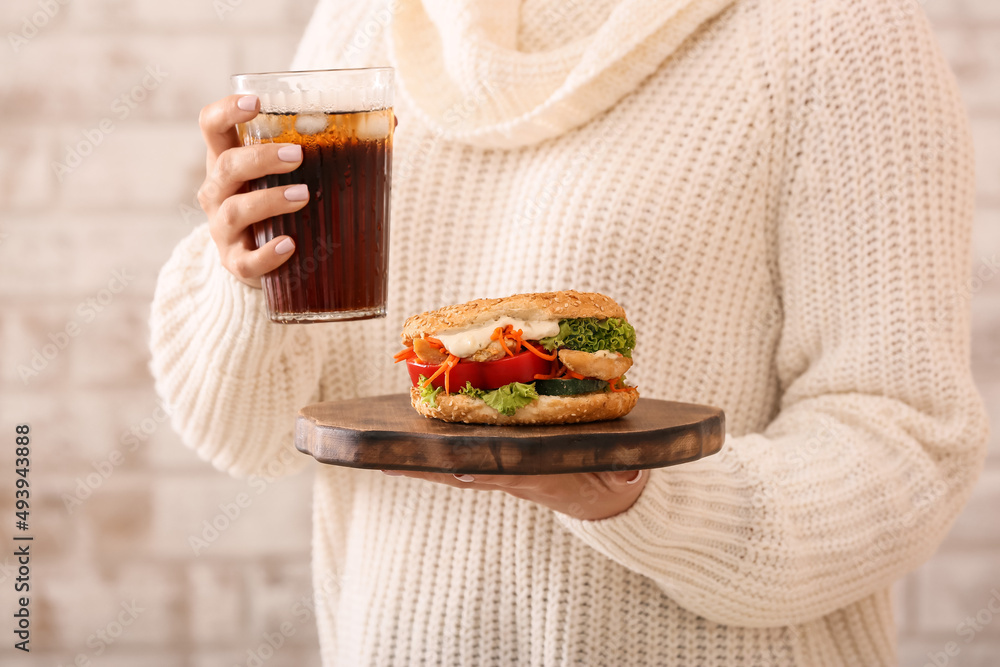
column 339, row 268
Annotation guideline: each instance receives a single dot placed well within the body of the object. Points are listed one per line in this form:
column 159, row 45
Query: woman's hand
column 230, row 208
column 592, row 496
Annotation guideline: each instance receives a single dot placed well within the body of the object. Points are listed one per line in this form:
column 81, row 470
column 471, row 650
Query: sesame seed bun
column 539, row 306
column 592, row 407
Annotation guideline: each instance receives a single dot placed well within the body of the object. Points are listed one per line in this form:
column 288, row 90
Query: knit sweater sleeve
column 881, row 433
column 232, row 379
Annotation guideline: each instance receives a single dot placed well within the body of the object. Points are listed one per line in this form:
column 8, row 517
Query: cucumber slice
column 568, row 387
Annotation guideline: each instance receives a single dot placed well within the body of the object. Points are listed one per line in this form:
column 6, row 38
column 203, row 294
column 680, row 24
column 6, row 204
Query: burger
column 547, row 358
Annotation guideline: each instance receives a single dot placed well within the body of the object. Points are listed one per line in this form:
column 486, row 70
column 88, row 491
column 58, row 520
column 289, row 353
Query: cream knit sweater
column 779, row 192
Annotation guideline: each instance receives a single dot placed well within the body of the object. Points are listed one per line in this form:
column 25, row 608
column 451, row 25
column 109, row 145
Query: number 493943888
column 22, row 466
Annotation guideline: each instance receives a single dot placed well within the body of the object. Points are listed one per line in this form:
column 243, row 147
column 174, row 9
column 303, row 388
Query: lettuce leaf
column 507, row 399
column 589, row 334
column 429, row 394
column 469, row 390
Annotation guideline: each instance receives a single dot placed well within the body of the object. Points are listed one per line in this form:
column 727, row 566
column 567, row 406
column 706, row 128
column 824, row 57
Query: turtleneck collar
column 459, row 64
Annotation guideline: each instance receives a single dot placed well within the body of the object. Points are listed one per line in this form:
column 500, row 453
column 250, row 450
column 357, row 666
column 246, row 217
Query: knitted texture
column 783, row 206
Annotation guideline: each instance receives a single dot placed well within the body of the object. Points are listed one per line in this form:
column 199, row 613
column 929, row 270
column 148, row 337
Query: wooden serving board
column 385, row 432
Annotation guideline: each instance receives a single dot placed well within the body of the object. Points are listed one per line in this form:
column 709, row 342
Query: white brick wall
column 958, row 582
column 123, row 207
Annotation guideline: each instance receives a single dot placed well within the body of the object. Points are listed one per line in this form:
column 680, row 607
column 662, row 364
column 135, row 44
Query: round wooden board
column 385, row 432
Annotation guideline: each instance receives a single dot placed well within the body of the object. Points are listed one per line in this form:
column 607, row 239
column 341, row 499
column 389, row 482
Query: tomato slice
column 522, row 367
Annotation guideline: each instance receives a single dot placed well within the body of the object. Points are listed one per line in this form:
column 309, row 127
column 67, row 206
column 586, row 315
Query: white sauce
column 606, row 354
column 466, row 342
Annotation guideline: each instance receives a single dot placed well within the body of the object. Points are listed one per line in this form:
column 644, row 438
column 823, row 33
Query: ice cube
column 310, row 123
column 265, row 126
column 374, row 125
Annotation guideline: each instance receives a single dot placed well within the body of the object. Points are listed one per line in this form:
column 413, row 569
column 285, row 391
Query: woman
column 779, row 192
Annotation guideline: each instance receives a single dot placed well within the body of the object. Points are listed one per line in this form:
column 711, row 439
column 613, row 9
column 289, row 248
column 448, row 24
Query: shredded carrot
column 516, row 335
column 499, row 335
column 554, row 371
column 575, row 375
column 451, row 363
column 402, row 355
column 435, row 342
column 445, row 368
column 615, row 381
column 537, row 353
column 441, row 369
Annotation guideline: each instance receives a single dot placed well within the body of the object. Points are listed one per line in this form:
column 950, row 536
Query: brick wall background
column 111, row 90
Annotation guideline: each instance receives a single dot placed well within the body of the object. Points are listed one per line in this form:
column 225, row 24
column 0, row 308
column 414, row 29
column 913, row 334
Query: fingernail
column 247, row 102
column 298, row 192
column 465, row 478
column 290, row 153
column 392, row 473
column 284, row 246
column 638, row 476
